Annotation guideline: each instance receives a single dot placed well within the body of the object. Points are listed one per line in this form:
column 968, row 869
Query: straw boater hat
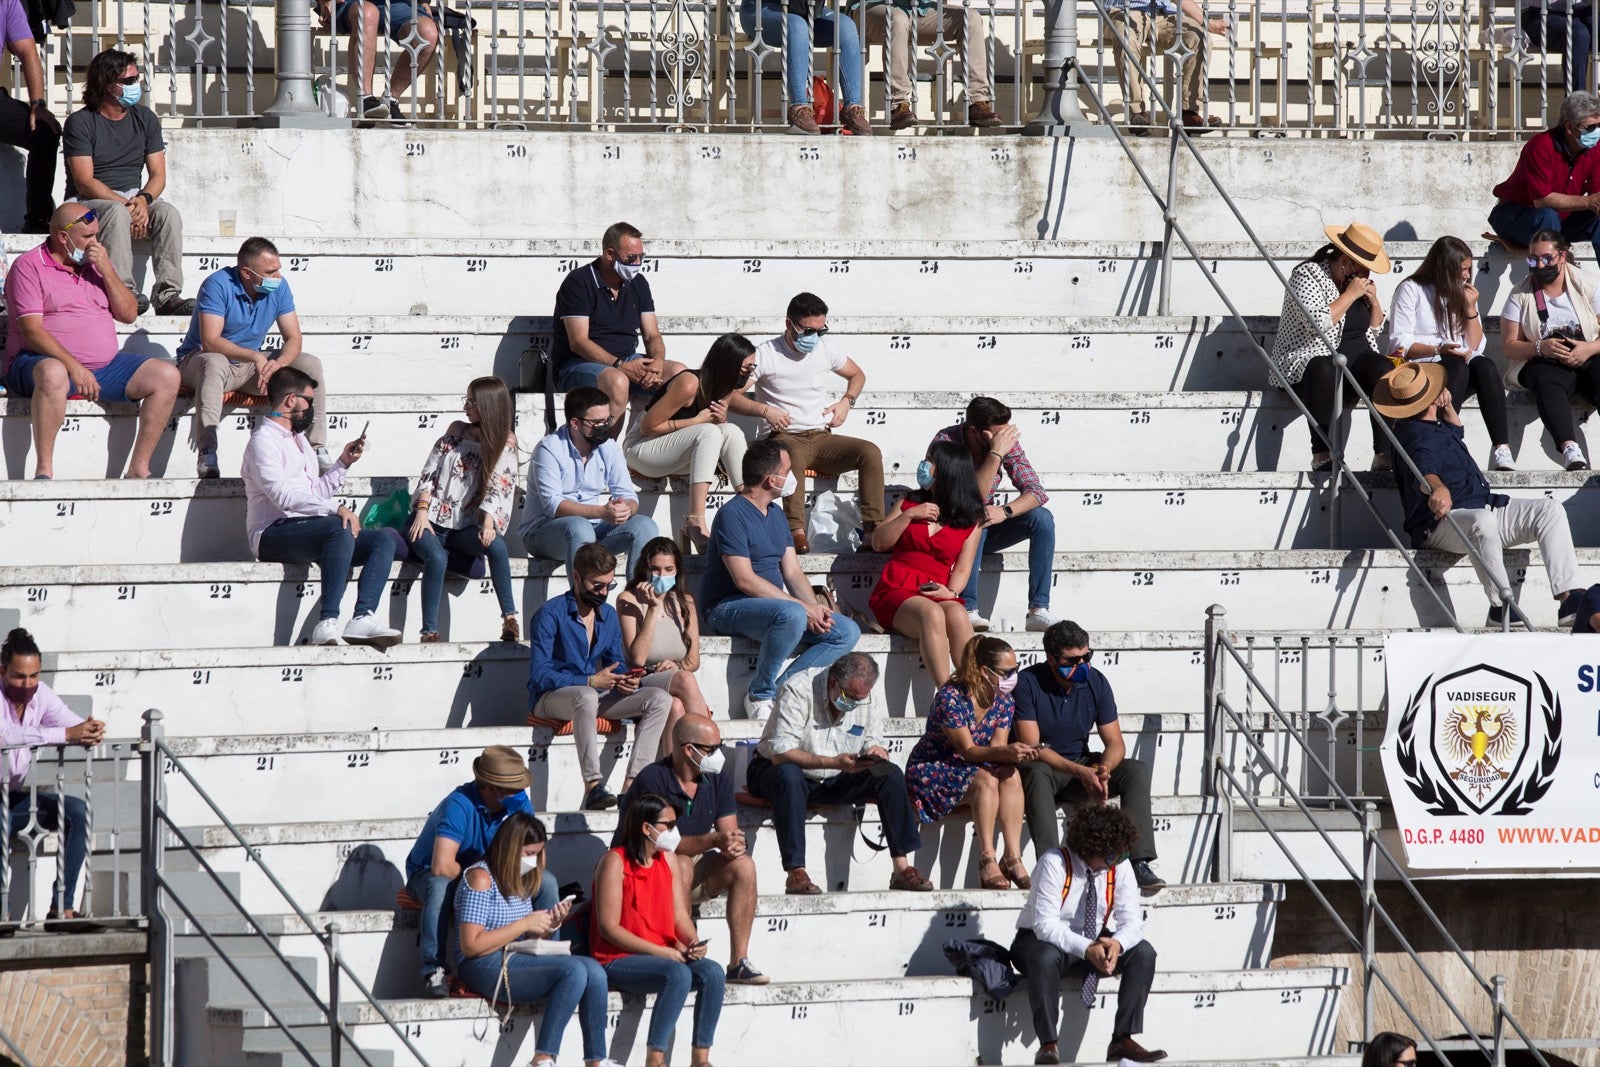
column 1408, row 389
column 502, row 768
column 1361, row 243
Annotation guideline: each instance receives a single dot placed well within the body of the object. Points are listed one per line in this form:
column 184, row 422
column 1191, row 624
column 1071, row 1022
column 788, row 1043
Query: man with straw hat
column 456, row 836
column 1429, row 430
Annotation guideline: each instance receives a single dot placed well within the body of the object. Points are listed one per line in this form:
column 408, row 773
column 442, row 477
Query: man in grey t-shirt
column 117, row 166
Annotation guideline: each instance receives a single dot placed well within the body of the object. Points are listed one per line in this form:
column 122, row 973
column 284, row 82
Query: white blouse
column 1412, row 320
column 1299, row 341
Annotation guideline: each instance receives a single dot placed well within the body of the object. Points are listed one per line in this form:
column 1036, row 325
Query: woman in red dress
column 933, row 546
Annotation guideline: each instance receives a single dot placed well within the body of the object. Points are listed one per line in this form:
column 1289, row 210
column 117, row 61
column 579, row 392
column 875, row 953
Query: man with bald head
column 64, row 299
column 711, row 858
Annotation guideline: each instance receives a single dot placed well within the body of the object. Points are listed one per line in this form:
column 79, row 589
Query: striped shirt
column 1014, row 465
column 487, row 907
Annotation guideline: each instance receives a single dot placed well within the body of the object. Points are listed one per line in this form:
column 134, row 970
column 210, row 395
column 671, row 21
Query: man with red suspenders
column 1083, row 919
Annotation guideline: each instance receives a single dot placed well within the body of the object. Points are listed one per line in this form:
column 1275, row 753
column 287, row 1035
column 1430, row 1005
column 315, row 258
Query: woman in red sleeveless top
column 642, row 934
column 933, row 546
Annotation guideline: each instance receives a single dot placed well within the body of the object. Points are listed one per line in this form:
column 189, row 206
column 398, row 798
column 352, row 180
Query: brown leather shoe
column 510, row 630
column 911, row 880
column 901, row 116
column 1127, row 1048
column 854, row 119
column 802, row 544
column 1195, row 122
column 982, row 114
column 803, row 119
column 799, row 884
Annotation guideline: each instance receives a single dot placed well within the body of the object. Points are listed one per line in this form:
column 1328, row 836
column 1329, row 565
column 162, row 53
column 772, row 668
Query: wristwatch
column 37, row 103
column 1007, row 509
column 148, row 199
column 619, row 361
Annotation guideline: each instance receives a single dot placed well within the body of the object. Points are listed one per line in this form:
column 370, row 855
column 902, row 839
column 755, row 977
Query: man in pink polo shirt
column 62, row 297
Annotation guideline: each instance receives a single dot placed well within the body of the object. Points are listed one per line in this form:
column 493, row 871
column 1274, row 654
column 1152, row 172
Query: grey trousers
column 211, row 374
column 1044, row 787
column 582, row 704
column 166, row 245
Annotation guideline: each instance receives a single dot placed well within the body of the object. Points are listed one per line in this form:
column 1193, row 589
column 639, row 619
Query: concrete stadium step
column 798, row 939
column 1239, row 1016
column 1123, row 432
column 187, row 521
column 243, row 604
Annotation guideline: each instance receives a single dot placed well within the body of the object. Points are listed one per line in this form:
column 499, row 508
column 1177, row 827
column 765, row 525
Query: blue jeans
column 1038, row 528
column 560, row 538
column 670, row 982
column 74, row 838
column 780, row 626
column 797, row 57
column 437, row 895
column 323, row 540
column 436, row 545
column 578, row 372
column 786, row 787
column 1518, row 224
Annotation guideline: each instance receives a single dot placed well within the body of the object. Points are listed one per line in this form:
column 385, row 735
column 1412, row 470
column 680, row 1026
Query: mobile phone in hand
column 568, row 899
column 365, row 428
column 637, row 672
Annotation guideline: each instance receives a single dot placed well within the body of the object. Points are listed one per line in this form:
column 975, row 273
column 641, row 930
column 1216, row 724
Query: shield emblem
column 1482, row 718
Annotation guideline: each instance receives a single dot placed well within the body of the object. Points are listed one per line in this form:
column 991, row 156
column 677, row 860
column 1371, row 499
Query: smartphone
column 637, row 672
column 928, row 587
column 365, row 428
column 701, row 943
column 568, row 899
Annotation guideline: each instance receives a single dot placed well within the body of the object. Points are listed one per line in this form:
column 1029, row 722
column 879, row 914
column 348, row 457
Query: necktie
column 1091, row 930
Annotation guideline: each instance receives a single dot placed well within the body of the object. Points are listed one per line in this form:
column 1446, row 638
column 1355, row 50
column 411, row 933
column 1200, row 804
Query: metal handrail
column 1342, row 470
column 157, row 750
column 13, row 1050
column 1220, row 713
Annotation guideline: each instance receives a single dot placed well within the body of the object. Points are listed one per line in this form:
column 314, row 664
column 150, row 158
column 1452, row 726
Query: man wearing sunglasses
column 63, row 297
column 576, row 673
column 1556, row 183
column 30, row 125
column 1058, row 701
column 117, row 166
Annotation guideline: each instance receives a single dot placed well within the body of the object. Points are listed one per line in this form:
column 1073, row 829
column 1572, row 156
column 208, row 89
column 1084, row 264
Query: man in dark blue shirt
column 576, row 673
column 711, row 857
column 1429, row 430
column 1058, row 701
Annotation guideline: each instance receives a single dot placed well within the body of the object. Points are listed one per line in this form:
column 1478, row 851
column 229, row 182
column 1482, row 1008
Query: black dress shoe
column 1126, row 1048
column 1046, row 1055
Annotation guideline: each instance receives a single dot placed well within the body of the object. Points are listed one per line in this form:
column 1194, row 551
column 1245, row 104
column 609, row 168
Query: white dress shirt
column 281, row 480
column 1412, row 320
column 1055, row 907
column 802, row 718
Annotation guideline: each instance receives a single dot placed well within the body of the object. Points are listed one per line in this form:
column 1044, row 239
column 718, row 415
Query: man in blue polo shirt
column 711, row 857
column 222, row 351
column 456, row 836
column 1057, row 703
column 603, row 310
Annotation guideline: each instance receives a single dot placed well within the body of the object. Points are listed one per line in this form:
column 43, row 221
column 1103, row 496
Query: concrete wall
column 1540, row 934
column 517, row 184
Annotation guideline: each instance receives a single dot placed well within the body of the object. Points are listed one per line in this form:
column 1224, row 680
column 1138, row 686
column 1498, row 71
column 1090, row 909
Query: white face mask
column 669, row 839
column 712, row 764
column 530, row 864
column 789, row 484
column 628, row 271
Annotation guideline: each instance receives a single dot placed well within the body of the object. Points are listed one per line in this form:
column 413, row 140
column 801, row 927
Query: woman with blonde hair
column 965, row 756
column 464, row 498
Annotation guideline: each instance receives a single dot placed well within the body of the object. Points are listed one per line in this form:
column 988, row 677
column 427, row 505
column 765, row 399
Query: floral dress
column 936, row 777
column 451, row 475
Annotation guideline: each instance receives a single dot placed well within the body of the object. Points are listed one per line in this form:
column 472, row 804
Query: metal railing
column 1320, row 67
column 1230, row 723
column 160, row 834
column 57, row 779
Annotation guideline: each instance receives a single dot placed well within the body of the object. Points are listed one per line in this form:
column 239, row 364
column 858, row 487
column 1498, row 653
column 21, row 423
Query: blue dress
column 936, row 777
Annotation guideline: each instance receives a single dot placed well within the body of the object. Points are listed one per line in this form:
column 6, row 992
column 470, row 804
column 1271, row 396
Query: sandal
column 1016, row 872
column 510, row 630
column 695, row 535
column 996, row 880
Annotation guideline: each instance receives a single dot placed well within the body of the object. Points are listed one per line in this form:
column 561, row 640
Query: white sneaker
column 1039, row 620
column 1573, row 457
column 326, row 633
column 1500, row 459
column 325, row 460
column 206, row 465
column 756, row 710
column 367, row 630
column 979, row 623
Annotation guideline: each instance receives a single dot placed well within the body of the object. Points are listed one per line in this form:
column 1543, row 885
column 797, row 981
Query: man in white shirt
column 293, row 518
column 791, row 395
column 1064, row 931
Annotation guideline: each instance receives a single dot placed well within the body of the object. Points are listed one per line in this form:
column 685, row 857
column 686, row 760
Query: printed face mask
column 1078, row 672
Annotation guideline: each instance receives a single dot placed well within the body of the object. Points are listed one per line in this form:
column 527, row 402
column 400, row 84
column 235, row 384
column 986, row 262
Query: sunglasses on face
column 1003, row 675
column 593, row 424
column 668, row 823
column 1548, row 260
column 1581, row 129
column 135, row 80
column 599, row 584
column 1073, row 661
column 810, row 331
column 87, row 216
column 704, row 750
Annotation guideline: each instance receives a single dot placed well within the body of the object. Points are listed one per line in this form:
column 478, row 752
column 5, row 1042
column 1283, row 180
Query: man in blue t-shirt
column 456, row 836
column 223, row 353
column 753, row 585
column 1058, row 702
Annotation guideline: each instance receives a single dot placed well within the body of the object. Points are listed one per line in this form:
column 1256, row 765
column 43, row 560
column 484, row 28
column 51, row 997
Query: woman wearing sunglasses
column 1550, row 334
column 965, row 757
column 1390, row 1049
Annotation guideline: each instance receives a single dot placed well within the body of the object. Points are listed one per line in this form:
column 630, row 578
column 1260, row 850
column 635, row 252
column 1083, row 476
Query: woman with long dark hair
column 661, row 631
column 1335, row 287
column 685, row 430
column 965, row 755
column 1435, row 317
column 933, row 546
column 464, row 499
column 509, row 898
column 1390, row 1049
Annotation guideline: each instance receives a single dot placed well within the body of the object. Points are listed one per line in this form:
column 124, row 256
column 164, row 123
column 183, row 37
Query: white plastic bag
column 835, row 523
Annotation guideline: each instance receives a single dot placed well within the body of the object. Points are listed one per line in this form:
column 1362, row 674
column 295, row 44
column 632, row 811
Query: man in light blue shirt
column 1154, row 24
column 579, row 491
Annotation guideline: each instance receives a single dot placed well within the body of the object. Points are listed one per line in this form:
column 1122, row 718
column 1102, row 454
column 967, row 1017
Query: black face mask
column 300, row 421
column 591, row 598
column 743, row 379
column 596, row 438
column 1543, row 276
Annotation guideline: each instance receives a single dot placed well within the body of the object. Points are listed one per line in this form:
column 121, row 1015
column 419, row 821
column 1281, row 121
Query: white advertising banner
column 1492, row 749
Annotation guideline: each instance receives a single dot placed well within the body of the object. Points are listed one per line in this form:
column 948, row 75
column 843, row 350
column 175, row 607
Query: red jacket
column 1544, row 168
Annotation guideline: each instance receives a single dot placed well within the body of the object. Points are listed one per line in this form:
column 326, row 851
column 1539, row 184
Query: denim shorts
column 580, row 371
column 113, row 377
column 393, row 17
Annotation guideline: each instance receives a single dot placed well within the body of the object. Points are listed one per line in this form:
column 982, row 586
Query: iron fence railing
column 1451, row 68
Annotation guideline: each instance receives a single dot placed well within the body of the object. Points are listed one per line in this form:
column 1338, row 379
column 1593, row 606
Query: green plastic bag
column 393, row 510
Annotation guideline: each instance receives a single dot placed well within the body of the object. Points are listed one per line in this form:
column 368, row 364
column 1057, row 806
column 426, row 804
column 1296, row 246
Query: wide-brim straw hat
column 1408, row 389
column 1361, row 243
column 501, row 767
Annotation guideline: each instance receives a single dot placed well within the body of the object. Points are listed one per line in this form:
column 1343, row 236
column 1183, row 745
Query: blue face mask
column 845, row 705
column 1078, row 672
column 76, row 255
column 131, row 94
column 1589, row 138
column 663, row 583
column 925, row 475
column 267, row 284
column 806, row 342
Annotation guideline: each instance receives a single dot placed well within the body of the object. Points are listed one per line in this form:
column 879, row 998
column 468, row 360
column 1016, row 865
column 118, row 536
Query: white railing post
column 1499, row 982
column 1060, row 114
column 150, row 867
column 295, row 103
